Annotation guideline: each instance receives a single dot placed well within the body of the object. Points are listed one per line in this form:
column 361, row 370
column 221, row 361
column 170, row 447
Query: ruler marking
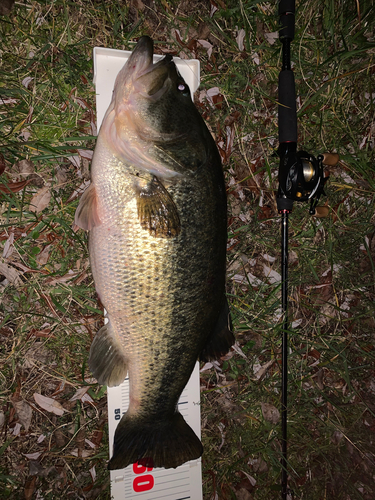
column 160, row 494
column 166, row 477
column 166, row 495
column 168, row 482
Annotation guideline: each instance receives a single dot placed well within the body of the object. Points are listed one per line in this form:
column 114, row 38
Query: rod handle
column 287, row 107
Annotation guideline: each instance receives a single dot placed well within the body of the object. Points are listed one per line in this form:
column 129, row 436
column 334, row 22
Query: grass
column 49, row 310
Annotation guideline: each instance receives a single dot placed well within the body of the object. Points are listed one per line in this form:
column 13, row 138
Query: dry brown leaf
column 90, row 443
column 26, row 81
column 23, row 168
column 35, row 468
column 75, row 160
column 270, row 413
column 80, row 437
column 24, row 412
column 336, row 437
column 243, row 494
column 81, row 189
column 8, row 246
column 94, row 130
column 29, row 487
column 13, row 187
column 97, row 436
column 259, row 374
column 60, row 438
column 245, row 487
column 85, row 153
column 81, row 395
column 93, row 473
column 40, row 200
column 16, row 429
column 322, row 293
column 208, row 46
column 2, row 163
column 10, row 273
column 49, row 404
column 272, row 276
column 42, row 258
column 59, row 388
column 82, row 453
column 28, row 269
column 62, row 279
column 61, row 174
column 292, row 258
column 240, row 38
column 258, row 465
column 38, row 354
column 32, row 456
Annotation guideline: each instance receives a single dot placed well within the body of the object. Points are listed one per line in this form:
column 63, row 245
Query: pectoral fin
column 86, row 215
column 157, row 211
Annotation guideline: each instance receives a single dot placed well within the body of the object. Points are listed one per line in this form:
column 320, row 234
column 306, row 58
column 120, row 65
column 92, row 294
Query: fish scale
column 156, row 211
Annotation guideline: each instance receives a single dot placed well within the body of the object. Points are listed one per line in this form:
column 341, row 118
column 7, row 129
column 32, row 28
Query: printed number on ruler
column 142, row 482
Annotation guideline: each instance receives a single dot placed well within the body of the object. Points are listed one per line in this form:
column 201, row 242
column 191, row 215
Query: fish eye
column 183, row 88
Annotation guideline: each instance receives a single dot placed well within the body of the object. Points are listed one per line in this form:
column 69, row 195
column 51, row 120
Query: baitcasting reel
column 301, row 177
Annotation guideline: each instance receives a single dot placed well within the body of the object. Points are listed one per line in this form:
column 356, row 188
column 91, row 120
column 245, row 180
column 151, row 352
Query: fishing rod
column 301, row 178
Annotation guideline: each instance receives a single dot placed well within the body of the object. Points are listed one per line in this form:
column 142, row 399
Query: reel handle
column 330, row 159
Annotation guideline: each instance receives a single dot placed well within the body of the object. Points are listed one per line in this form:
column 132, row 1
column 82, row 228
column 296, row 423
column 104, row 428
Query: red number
column 143, row 483
column 139, row 468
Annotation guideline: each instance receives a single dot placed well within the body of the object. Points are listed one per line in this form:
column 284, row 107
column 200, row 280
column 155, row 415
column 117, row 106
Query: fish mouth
column 150, row 79
column 141, row 57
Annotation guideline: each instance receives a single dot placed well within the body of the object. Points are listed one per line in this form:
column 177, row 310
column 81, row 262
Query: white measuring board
column 136, row 482
column 108, row 63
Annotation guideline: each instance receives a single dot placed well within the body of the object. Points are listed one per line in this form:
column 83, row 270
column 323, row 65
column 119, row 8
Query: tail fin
column 167, row 443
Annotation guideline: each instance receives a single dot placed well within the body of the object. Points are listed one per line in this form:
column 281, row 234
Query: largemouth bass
column 156, row 212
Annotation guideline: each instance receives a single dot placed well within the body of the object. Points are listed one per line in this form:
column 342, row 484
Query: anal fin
column 106, row 361
column 221, row 338
column 157, row 211
column 86, row 216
